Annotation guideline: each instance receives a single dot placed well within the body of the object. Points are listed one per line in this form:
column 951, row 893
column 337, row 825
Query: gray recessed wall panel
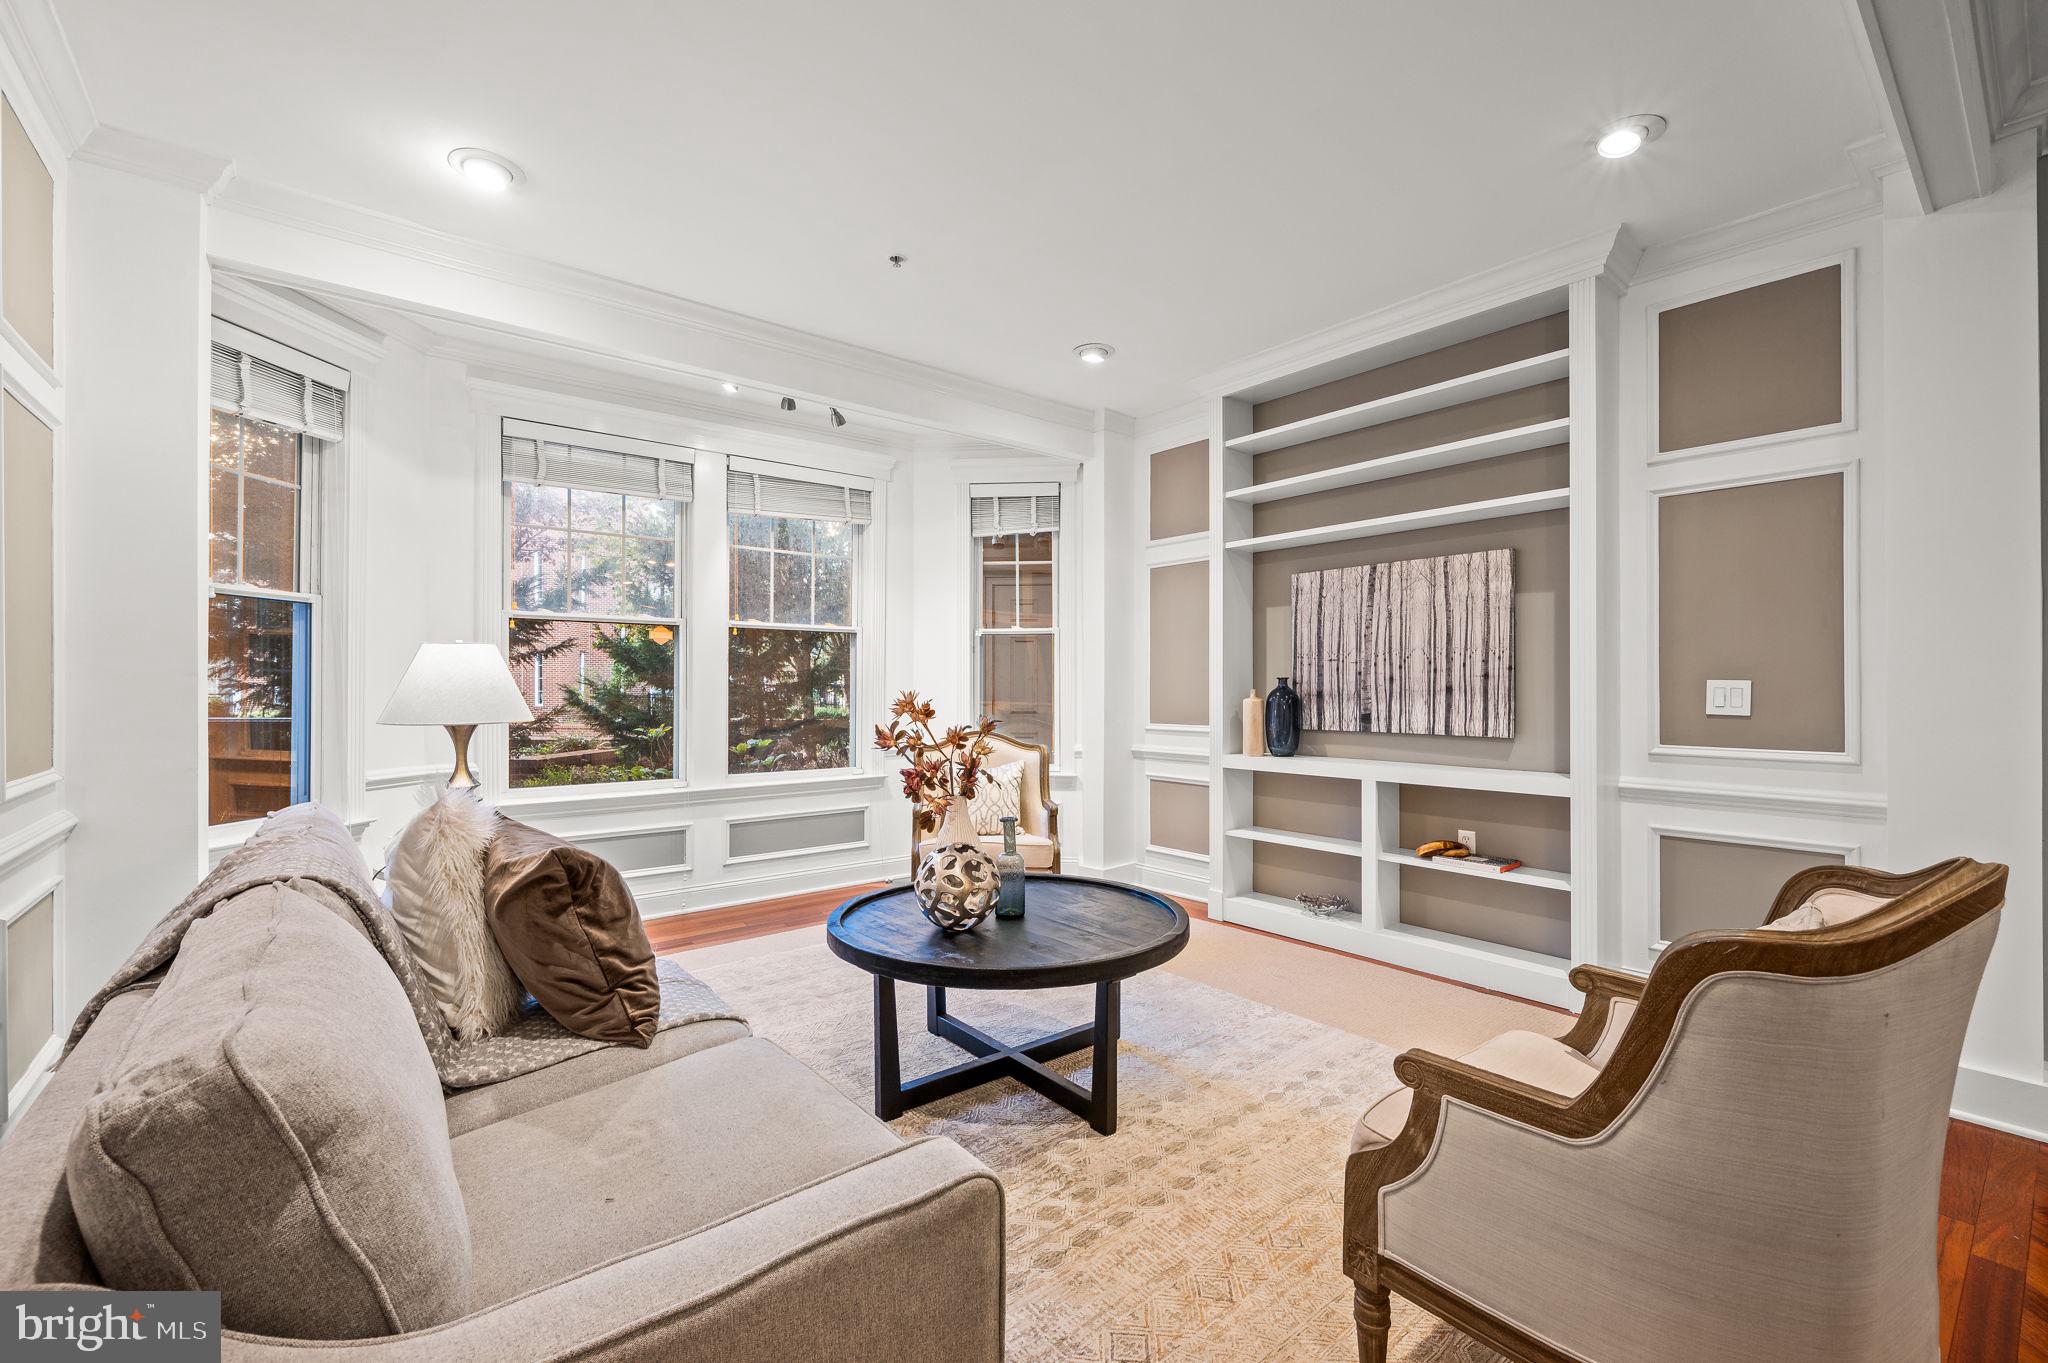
column 1180, row 644
column 31, row 1003
column 793, row 834
column 1704, row 884
column 1180, row 491
column 1179, row 816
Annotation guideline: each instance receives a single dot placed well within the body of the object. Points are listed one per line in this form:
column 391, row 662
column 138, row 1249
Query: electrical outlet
column 1470, row 839
column 1729, row 698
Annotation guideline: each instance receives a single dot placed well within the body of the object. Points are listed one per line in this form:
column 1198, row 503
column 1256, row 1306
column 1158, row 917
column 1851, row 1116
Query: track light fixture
column 837, row 420
column 789, row 404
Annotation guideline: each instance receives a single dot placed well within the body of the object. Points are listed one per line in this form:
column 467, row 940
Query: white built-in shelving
column 1461, row 513
column 1518, row 440
column 1434, row 397
column 1521, row 875
column 1308, row 842
column 1586, row 427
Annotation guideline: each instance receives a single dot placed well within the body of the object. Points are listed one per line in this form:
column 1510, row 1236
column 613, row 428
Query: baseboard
column 1161, row 879
column 2018, row 1106
column 722, row 894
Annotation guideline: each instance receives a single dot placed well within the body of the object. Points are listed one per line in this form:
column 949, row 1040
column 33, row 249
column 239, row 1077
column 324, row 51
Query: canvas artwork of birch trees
column 1423, row 646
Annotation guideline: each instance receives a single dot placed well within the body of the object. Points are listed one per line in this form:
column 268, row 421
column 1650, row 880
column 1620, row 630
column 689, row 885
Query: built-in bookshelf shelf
column 1540, row 435
column 1313, row 842
column 1434, row 397
column 1521, row 875
column 1508, row 780
column 1462, row 513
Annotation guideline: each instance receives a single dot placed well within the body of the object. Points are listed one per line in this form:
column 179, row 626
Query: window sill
column 672, row 796
column 224, row 838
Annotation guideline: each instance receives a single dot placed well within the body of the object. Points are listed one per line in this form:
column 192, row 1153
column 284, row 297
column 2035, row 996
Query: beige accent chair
column 1737, row 1157
column 1038, row 818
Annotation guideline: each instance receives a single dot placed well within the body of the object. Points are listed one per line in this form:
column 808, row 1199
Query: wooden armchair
column 1038, row 818
column 1737, row 1157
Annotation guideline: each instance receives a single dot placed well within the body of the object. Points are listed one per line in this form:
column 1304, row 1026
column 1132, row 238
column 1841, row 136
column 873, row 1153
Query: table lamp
column 458, row 686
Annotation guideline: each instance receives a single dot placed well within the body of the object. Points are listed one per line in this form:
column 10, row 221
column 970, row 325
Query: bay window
column 792, row 637
column 594, row 613
column 271, row 422
column 1016, row 624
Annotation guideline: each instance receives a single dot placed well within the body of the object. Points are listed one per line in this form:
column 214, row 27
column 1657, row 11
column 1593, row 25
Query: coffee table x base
column 1024, row 1062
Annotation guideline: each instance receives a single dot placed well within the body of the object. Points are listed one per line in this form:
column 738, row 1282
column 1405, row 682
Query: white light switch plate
column 1729, row 698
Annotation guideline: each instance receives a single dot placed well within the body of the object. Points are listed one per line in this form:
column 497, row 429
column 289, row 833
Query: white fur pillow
column 435, row 872
column 995, row 796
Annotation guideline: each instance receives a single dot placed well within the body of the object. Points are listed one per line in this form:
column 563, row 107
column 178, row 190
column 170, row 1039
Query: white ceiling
column 1189, row 180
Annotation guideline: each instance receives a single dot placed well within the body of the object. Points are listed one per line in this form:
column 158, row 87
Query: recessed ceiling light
column 788, row 404
column 485, row 170
column 1629, row 136
column 1095, row 352
column 837, row 420
column 730, row 387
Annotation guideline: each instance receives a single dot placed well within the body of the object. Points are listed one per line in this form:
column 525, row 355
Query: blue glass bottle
column 1010, row 865
column 1283, row 720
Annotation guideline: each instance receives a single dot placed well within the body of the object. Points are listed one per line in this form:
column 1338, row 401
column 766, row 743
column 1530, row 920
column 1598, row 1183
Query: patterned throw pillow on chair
column 995, row 797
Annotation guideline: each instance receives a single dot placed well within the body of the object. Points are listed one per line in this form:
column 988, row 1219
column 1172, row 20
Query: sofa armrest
column 1602, row 986
column 899, row 1258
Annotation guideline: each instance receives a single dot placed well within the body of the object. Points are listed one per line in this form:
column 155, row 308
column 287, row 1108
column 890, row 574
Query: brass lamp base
column 458, row 734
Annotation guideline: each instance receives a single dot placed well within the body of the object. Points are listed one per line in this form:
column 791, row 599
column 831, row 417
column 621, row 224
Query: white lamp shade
column 456, row 684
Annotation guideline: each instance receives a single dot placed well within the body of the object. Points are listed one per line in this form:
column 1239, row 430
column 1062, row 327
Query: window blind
column 1013, row 514
column 256, row 388
column 763, row 494
column 559, row 464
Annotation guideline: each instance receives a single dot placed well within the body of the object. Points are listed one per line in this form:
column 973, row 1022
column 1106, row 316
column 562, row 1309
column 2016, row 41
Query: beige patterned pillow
column 995, row 797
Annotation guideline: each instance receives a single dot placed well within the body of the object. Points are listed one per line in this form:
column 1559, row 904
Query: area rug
column 1205, row 1231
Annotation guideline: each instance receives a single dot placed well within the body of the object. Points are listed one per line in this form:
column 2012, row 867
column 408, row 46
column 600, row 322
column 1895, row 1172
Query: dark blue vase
column 1283, row 720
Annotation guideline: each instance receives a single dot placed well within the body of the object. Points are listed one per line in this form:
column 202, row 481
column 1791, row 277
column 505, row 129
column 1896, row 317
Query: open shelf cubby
column 1478, row 395
column 1434, row 397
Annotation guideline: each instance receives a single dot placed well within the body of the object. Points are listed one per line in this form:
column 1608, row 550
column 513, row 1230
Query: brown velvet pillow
column 569, row 929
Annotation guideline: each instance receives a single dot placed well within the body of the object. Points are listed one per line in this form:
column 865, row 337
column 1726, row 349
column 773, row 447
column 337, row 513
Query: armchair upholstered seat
column 1738, row 1156
column 1038, row 818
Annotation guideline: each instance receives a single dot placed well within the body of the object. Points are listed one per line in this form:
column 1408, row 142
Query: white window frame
column 1062, row 571
column 679, row 600
column 856, row 604
column 319, row 477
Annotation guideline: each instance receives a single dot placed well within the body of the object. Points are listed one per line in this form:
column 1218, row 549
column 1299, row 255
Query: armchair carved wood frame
column 1038, row 816
column 1903, row 1036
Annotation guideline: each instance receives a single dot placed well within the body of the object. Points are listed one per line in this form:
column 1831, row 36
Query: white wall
column 133, row 594
column 1962, row 546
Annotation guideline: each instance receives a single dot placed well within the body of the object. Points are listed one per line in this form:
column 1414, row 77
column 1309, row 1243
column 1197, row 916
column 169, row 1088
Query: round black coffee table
column 1074, row 931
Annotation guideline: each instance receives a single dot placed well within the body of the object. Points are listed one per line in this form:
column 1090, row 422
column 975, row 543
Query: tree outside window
column 593, row 635
column 791, row 644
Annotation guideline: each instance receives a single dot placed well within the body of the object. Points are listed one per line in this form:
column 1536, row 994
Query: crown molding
column 330, row 330
column 272, row 204
column 118, row 149
column 1830, row 208
column 33, row 37
column 1172, row 427
column 1488, row 300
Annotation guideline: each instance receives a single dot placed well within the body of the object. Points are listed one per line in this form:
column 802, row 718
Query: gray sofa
column 709, row 1198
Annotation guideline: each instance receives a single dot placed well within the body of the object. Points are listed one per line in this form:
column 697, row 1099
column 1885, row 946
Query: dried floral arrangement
column 942, row 767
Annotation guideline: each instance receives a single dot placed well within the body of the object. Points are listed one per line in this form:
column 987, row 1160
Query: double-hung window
column 275, row 415
column 1016, row 629
column 794, row 552
column 594, row 603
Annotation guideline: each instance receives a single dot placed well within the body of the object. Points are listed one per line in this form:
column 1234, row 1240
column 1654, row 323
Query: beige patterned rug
column 1205, row 1231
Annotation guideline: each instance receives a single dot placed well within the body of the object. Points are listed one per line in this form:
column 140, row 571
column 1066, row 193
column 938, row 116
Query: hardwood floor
column 1991, row 1251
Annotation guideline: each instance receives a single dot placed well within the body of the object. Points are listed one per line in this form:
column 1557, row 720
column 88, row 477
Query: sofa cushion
column 1540, row 1061
column 995, row 798
column 471, row 1108
column 571, row 932
column 435, row 874
column 274, row 1132
column 648, row 1158
column 39, row 1237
